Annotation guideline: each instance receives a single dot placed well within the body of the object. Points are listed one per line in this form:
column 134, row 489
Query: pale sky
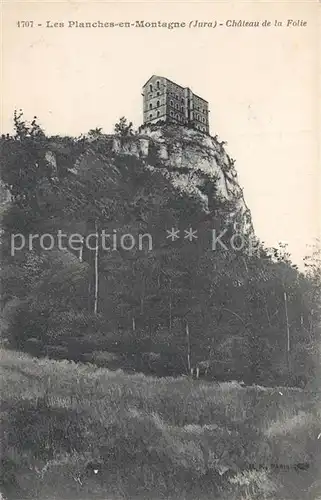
column 262, row 85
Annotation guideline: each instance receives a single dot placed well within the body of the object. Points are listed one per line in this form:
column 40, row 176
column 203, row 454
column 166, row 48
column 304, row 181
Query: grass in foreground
column 74, row 431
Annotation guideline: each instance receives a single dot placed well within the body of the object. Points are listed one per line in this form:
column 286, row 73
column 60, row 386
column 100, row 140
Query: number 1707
column 25, row 24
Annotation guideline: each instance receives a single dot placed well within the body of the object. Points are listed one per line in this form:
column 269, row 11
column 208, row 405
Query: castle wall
column 155, row 102
column 176, row 103
column 200, row 118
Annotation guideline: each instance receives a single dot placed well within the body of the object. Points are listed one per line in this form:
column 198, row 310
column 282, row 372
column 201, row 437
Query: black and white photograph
column 160, row 200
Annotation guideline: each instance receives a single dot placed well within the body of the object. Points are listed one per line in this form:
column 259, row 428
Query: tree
column 23, row 161
column 95, row 133
column 123, row 128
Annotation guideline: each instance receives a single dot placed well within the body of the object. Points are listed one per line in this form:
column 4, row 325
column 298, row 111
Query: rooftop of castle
column 174, row 83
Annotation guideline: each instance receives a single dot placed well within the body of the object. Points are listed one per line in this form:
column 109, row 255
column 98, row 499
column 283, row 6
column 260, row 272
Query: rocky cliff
column 129, row 298
column 188, row 159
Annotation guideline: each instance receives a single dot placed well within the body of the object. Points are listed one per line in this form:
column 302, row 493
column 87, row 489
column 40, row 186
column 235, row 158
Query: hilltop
column 167, row 305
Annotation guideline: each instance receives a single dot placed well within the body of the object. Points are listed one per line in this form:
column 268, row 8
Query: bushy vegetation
column 150, row 438
column 74, row 429
column 238, row 309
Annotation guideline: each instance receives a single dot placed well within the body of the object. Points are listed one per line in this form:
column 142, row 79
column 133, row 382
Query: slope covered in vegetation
column 73, row 431
column 147, row 303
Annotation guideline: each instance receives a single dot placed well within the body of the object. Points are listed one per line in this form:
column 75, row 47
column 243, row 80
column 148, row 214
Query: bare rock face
column 186, row 156
column 5, row 197
column 52, row 161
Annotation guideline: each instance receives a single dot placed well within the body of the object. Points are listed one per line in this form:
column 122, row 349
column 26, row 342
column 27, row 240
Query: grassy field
column 73, row 431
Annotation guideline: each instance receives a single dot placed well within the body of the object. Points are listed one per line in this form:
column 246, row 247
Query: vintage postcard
column 160, row 243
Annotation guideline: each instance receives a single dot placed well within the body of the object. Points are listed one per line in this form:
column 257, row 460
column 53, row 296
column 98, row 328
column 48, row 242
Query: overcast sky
column 261, row 84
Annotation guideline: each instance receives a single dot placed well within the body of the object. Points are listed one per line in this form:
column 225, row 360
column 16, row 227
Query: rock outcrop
column 188, row 158
column 187, row 155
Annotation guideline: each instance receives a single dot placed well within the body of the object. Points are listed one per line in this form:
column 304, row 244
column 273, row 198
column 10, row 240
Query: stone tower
column 164, row 100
